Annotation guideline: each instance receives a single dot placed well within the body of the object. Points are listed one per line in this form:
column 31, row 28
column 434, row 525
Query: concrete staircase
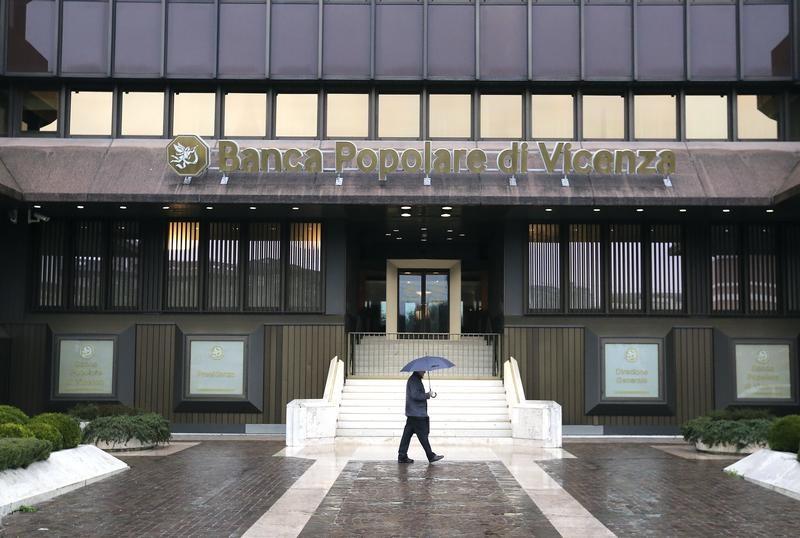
column 463, row 408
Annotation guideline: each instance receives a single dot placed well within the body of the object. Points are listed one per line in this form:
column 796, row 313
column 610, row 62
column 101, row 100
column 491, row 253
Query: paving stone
column 446, row 499
column 636, row 490
column 217, row 488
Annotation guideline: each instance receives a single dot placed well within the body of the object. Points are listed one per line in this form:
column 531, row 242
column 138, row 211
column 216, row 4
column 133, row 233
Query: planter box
column 131, row 444
column 726, row 449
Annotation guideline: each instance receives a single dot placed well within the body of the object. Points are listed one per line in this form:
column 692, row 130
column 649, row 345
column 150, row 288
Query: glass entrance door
column 423, row 301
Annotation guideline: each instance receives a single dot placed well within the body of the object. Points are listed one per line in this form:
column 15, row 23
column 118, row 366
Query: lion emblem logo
column 188, row 155
column 631, row 354
column 217, row 352
column 87, row 351
column 762, row 356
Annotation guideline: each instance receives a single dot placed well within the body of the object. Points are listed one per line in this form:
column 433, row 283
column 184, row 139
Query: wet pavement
column 260, row 488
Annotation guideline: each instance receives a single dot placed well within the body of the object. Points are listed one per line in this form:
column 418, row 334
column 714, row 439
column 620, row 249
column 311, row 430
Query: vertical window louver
column 625, row 249
column 264, row 267
column 762, row 269
column 52, row 243
column 791, row 268
column 544, row 267
column 87, row 266
column 183, row 266
column 585, row 292
column 222, row 284
column 666, row 268
column 125, row 260
column 304, row 268
column 725, row 268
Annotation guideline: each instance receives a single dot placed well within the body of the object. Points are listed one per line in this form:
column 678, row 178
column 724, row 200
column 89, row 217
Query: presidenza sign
column 188, row 156
column 763, row 371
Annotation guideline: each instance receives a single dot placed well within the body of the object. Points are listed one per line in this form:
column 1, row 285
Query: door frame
column 393, row 266
column 425, row 273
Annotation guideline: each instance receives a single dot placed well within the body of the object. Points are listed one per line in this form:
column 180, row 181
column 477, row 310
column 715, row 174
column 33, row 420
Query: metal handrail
column 476, row 355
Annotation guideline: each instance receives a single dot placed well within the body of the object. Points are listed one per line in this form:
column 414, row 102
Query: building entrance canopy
column 138, row 171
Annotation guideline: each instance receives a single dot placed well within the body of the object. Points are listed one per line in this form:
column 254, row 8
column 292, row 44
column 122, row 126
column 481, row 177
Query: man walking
column 417, row 421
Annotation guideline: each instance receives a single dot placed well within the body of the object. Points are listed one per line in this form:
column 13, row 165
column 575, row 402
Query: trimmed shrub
column 9, row 413
column 726, row 432
column 784, row 435
column 65, row 424
column 83, row 411
column 12, row 429
column 47, row 432
column 146, row 428
column 16, row 452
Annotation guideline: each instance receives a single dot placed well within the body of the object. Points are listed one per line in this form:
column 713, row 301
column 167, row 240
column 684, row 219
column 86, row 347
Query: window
column 767, row 50
column 607, row 31
column 659, row 33
column 84, row 36
column 712, row 41
column 90, row 113
column 296, row 114
column 655, row 117
column 625, row 249
column 757, row 116
column 666, row 268
column 50, row 277
column 88, row 265
column 193, row 113
column 183, row 266
column 191, row 37
column 706, row 117
column 501, row 116
column 264, row 261
column 762, row 269
column 40, row 111
column 31, row 36
column 347, row 115
column 585, row 291
column 556, row 28
column 142, row 114
column 604, row 117
column 126, row 248
column 794, row 116
column 242, row 35
column 223, row 269
column 137, row 41
column 544, row 267
column 398, row 116
column 4, row 111
column 304, row 268
column 791, row 267
column 552, row 116
column 725, row 270
column 450, row 116
column 245, row 114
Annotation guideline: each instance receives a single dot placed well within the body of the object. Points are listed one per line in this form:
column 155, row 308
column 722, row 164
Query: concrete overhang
column 135, row 170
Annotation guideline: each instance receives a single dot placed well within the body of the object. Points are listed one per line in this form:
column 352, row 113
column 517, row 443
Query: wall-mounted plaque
column 631, row 371
column 85, row 367
column 763, row 371
column 216, row 368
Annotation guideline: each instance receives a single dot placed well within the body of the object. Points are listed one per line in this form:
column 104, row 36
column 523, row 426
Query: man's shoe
column 405, row 460
column 436, row 457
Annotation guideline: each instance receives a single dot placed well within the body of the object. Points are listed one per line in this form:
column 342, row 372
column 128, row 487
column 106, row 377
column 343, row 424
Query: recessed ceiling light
column 423, row 229
column 449, row 238
column 461, row 235
column 405, row 207
column 209, row 207
column 445, row 215
column 682, row 210
column 639, row 209
column 164, row 207
column 388, row 234
column 252, row 207
column 398, row 238
column 446, row 207
column 449, row 231
column 726, row 210
column 770, row 211
column 295, row 208
column 423, row 239
column 79, row 207
column 123, row 207
column 596, row 210
column 406, row 215
column 548, row 209
column 37, row 206
column 395, row 230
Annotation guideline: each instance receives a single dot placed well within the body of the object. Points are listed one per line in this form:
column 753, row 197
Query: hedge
column 16, row 452
column 65, row 424
column 726, row 432
column 784, row 435
column 146, row 428
column 12, row 429
column 740, row 413
column 47, row 432
column 91, row 411
column 9, row 413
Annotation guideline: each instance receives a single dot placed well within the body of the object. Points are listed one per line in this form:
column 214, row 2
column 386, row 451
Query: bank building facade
column 204, row 202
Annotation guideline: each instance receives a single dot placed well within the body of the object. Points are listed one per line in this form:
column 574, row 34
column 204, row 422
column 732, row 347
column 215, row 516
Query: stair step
column 441, row 396
column 392, row 433
column 459, row 382
column 439, row 425
column 437, row 410
column 445, row 417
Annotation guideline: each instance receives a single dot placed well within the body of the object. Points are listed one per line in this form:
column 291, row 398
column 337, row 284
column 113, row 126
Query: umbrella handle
column 433, row 394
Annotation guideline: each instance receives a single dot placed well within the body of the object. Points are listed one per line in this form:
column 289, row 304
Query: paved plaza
column 261, row 488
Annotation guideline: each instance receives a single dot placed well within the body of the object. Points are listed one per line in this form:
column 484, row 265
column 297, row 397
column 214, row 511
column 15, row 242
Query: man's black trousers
column 420, row 426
